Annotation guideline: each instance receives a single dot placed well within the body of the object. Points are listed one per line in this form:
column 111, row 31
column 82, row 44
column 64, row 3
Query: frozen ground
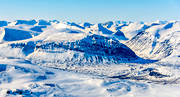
column 112, row 59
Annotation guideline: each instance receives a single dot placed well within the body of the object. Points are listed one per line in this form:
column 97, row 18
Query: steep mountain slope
column 93, row 49
column 14, row 35
column 156, row 42
column 95, row 43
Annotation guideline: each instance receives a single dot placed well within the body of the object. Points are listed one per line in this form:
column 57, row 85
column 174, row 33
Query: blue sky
column 90, row 10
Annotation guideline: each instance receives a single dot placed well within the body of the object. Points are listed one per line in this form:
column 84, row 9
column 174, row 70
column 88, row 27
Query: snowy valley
column 111, row 59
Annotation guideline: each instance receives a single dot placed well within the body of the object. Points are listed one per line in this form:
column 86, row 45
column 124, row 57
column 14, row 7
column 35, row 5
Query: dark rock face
column 104, row 30
column 88, row 25
column 95, row 46
column 157, row 74
column 19, row 92
column 76, row 25
column 26, row 48
column 108, row 24
column 101, row 45
column 93, row 49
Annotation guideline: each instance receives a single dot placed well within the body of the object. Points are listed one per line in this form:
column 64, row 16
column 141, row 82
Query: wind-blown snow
column 112, row 59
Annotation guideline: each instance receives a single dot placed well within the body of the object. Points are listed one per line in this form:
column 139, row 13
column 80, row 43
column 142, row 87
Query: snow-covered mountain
column 127, row 54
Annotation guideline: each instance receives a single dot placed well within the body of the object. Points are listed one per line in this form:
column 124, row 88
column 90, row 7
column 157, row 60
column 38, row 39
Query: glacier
column 112, row 59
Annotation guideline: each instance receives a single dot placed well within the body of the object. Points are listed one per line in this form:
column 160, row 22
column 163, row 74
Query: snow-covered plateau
column 40, row 58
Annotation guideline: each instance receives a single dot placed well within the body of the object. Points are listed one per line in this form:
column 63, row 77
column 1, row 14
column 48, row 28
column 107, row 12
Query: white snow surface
column 40, row 58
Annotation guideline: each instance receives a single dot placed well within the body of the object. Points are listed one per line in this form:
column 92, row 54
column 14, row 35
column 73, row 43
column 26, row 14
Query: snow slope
column 52, row 58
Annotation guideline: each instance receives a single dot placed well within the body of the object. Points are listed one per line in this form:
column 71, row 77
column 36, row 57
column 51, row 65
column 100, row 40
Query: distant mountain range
column 93, row 43
column 54, row 58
